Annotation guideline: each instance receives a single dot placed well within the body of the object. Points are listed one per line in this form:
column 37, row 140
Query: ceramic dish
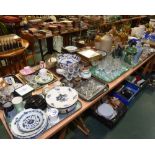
column 24, row 72
column 40, row 80
column 35, row 102
column 61, row 97
column 20, row 134
column 86, row 74
column 60, row 71
column 52, row 114
column 68, row 109
column 30, row 120
column 66, row 60
column 71, row 49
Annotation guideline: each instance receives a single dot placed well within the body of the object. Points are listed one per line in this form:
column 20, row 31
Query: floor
column 138, row 123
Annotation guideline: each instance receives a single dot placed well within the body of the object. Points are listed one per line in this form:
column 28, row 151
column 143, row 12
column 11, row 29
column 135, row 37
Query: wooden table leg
column 63, row 133
column 3, row 119
column 81, row 125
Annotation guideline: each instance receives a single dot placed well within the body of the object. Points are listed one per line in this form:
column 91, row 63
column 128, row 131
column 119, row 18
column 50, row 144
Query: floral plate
column 61, row 97
column 24, row 135
column 40, row 80
column 30, row 120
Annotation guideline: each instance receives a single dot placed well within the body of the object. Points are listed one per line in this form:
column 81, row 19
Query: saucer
column 40, row 80
column 27, row 72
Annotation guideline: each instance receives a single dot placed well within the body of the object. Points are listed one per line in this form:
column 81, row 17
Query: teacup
column 43, row 73
column 52, row 115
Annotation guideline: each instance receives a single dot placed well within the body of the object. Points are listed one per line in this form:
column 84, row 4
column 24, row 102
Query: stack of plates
column 29, row 123
column 62, row 98
column 107, row 111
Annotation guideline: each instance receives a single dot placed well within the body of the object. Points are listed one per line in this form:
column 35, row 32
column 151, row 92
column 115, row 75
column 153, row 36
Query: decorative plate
column 40, row 80
column 19, row 134
column 30, row 120
column 61, row 97
column 71, row 48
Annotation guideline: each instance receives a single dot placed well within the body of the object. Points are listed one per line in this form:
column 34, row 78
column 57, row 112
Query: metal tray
column 83, row 87
column 61, row 117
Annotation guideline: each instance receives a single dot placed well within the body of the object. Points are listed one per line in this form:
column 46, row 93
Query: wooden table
column 86, row 105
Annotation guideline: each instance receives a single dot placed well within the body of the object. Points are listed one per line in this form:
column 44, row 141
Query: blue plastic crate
column 135, row 89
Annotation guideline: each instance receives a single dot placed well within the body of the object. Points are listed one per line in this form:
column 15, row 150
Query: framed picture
column 4, row 129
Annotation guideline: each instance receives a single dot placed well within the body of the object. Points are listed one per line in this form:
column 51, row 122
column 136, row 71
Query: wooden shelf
column 123, row 20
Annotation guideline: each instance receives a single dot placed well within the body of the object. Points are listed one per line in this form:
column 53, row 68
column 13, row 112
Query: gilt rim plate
column 39, row 80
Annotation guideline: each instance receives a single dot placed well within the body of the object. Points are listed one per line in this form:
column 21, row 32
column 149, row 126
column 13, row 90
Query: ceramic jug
column 106, row 43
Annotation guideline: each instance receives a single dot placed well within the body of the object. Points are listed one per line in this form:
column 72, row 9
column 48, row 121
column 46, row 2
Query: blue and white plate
column 25, row 135
column 61, row 97
column 30, row 120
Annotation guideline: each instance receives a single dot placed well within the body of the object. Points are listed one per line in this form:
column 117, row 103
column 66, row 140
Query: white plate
column 105, row 110
column 61, row 97
column 19, row 134
column 71, row 48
